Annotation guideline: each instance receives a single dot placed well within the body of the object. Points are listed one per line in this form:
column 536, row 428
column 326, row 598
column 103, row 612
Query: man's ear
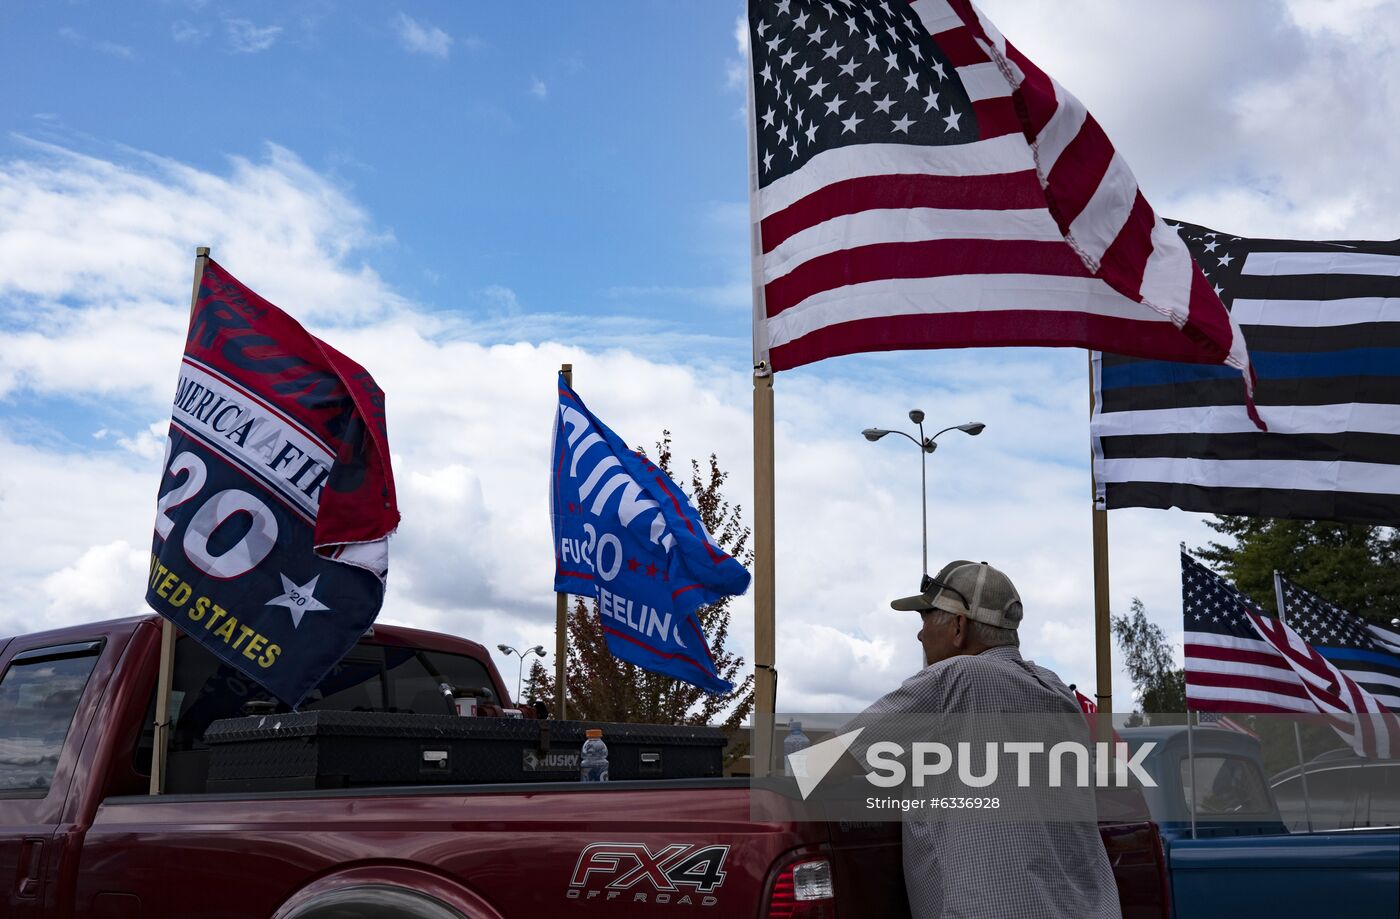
column 960, row 631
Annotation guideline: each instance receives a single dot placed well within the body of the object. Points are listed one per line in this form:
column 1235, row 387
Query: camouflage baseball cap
column 972, row 589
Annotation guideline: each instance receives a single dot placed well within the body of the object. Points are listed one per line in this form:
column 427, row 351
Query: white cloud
column 100, row 45
column 186, row 32
column 735, row 295
column 93, row 580
column 419, row 38
column 247, row 38
column 148, row 444
column 736, row 69
column 502, row 299
column 98, row 256
column 1261, row 119
column 69, row 535
column 538, row 89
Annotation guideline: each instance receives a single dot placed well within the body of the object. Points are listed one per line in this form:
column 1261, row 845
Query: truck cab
column 1229, row 850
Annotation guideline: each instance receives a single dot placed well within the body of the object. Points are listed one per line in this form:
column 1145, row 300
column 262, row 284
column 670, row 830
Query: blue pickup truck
column 1241, row 856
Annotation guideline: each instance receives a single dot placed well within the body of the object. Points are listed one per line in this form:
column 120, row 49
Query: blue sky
column 570, row 163
column 464, row 195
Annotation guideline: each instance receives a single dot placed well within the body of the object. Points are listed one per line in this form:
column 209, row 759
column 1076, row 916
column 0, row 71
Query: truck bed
column 89, row 842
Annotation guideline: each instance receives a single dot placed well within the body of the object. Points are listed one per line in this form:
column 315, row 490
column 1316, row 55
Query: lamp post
column 926, row 446
column 520, row 673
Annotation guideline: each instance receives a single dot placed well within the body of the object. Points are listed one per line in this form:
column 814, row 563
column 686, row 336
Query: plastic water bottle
column 593, row 761
column 794, row 761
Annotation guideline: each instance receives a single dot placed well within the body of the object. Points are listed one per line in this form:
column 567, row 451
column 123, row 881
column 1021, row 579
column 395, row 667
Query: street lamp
column 507, row 649
column 926, row 446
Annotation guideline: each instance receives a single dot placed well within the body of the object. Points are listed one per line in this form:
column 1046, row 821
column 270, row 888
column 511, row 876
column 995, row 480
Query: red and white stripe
column 1036, row 234
column 1374, row 731
column 1281, row 673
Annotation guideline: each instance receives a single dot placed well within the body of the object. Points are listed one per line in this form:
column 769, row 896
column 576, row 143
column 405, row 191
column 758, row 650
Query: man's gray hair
column 989, row 635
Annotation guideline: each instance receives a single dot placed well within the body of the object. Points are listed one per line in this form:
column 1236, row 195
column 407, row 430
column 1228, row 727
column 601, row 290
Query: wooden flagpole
column 165, row 677
column 561, row 618
column 765, row 683
column 764, row 597
column 1103, row 694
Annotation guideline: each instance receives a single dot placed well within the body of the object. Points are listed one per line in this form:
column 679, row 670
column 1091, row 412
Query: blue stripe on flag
column 1358, row 654
column 1275, row 365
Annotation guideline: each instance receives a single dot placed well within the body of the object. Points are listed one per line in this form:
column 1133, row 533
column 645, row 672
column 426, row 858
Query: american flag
column 1368, row 652
column 1322, row 320
column 1217, row 720
column 1239, row 660
column 918, row 183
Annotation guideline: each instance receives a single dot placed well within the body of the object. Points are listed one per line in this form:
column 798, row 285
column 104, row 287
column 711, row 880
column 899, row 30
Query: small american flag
column 1217, row 720
column 1239, row 660
column 918, row 183
column 1368, row 652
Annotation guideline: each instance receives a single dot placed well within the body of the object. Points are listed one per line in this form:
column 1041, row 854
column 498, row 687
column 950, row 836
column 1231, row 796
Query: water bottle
column 794, row 760
column 593, row 762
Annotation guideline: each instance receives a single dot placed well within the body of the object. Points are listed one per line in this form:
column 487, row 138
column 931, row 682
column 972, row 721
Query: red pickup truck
column 81, row 836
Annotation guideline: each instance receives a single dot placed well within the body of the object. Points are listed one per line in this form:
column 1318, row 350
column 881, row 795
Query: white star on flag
column 298, row 599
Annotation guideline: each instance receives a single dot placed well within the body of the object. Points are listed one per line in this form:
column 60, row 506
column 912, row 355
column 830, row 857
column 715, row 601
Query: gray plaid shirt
column 980, row 869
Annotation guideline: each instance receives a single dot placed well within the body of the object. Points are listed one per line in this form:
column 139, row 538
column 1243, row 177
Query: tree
column 1160, row 684
column 602, row 688
column 1357, row 567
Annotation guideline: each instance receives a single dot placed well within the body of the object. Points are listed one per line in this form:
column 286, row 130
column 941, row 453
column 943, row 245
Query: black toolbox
column 335, row 749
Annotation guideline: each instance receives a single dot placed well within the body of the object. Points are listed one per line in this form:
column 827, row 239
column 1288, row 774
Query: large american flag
column 918, row 183
column 1368, row 652
column 1240, row 660
column 1322, row 320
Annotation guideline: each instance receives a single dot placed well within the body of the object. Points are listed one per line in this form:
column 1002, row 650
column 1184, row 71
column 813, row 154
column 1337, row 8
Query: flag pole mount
column 166, row 673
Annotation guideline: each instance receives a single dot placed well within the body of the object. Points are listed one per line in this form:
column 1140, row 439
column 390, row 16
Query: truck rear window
column 39, row 693
column 1226, row 785
column 371, row 678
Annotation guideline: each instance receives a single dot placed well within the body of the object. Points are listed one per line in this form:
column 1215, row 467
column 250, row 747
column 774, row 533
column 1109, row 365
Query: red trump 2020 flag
column 277, row 498
column 918, row 183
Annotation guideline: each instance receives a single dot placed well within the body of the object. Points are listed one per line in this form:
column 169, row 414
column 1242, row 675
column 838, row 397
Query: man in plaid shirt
column 980, row 868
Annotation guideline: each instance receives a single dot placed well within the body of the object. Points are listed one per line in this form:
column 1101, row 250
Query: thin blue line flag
column 626, row 535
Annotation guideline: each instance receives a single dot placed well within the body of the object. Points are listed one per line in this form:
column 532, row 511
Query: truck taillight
column 803, row 890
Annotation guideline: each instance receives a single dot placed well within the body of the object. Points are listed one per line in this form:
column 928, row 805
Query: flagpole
column 764, row 600
column 765, row 677
column 1191, row 758
column 166, row 674
column 1297, row 734
column 1103, row 650
column 561, row 617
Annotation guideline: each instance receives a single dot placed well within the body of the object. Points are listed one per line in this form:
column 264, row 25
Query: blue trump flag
column 625, row 534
